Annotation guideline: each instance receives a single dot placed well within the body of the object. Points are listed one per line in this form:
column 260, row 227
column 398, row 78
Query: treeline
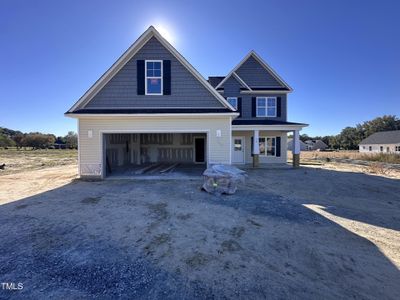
column 350, row 137
column 36, row 140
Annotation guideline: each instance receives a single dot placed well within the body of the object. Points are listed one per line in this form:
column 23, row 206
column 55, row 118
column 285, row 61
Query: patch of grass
column 378, row 168
column 390, row 158
column 26, row 160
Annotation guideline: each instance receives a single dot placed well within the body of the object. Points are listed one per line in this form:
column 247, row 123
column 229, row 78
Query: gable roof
column 383, row 137
column 215, row 80
column 254, row 55
column 128, row 54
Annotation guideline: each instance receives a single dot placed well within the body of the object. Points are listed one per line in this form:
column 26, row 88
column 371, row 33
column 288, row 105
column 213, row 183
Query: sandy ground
column 314, row 233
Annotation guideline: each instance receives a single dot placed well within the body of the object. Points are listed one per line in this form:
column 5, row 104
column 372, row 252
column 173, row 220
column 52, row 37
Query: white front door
column 238, row 150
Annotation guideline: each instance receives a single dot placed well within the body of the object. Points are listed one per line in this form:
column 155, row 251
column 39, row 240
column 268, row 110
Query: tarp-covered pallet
column 222, row 179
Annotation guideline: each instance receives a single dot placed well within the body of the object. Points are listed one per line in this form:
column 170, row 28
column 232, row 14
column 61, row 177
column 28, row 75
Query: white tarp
column 222, row 179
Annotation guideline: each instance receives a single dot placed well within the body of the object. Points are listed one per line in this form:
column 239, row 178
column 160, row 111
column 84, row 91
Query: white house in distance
column 384, row 141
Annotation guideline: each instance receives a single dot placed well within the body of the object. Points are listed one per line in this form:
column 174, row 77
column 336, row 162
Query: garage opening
column 155, row 154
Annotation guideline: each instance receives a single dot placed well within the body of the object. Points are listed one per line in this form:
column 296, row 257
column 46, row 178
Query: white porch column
column 256, row 148
column 256, row 143
column 296, row 149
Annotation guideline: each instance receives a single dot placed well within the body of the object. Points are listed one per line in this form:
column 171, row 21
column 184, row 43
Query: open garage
column 134, row 154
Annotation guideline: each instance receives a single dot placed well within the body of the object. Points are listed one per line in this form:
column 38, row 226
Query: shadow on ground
column 168, row 239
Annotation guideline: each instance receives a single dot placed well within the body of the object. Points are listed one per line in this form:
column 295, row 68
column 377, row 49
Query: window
column 397, row 148
column 381, row 148
column 370, row 148
column 267, row 146
column 266, row 106
column 238, row 145
column 154, row 78
column 233, row 101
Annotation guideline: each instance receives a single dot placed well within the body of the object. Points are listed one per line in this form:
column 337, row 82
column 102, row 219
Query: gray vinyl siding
column 232, row 89
column 121, row 90
column 255, row 74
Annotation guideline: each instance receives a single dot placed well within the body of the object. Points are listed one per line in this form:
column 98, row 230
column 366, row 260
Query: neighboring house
column 313, row 145
column 384, row 141
column 303, row 146
column 153, row 106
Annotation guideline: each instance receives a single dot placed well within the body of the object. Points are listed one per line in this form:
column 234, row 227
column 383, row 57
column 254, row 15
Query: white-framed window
column 154, row 77
column 397, row 149
column 381, row 148
column 266, row 106
column 267, row 146
column 233, row 101
column 370, row 148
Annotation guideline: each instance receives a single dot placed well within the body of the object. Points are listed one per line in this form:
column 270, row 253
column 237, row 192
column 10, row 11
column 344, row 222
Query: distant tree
column 304, row 137
column 38, row 140
column 385, row 123
column 71, row 140
column 334, row 142
column 349, row 138
column 6, row 141
column 60, row 140
column 19, row 140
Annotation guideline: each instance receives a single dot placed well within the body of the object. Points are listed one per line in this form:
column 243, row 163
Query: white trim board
column 233, row 114
column 129, row 53
column 267, row 127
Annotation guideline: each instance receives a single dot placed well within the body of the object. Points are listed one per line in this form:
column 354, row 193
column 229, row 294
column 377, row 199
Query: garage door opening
column 154, row 154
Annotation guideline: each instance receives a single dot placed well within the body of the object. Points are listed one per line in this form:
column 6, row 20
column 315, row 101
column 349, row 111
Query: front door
column 199, row 149
column 238, row 150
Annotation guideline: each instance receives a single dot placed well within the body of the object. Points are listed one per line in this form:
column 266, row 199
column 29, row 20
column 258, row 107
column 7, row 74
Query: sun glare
column 165, row 32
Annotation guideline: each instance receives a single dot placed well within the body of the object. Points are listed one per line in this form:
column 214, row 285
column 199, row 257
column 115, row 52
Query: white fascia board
column 267, row 127
column 241, row 81
column 129, row 53
column 232, row 114
column 265, row 92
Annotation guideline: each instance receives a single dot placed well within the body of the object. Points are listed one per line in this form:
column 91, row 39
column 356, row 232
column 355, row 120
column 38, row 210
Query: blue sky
column 341, row 57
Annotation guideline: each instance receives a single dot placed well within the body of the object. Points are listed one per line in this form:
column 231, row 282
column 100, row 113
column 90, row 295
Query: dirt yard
column 313, row 233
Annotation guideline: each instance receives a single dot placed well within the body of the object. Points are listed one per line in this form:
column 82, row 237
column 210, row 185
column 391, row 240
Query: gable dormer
column 254, row 74
column 151, row 75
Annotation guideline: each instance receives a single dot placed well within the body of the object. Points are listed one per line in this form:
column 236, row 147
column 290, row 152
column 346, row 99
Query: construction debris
column 169, row 168
column 223, row 179
column 146, row 168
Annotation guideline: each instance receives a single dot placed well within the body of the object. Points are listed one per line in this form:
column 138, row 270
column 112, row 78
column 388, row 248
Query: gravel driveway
column 305, row 233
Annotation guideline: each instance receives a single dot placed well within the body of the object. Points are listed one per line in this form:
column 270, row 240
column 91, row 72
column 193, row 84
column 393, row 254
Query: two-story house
column 153, row 106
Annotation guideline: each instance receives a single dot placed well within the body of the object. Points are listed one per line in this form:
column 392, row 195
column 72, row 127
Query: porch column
column 256, row 148
column 296, row 149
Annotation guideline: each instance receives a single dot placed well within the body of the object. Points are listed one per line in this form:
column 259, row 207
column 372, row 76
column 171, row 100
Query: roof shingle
column 383, row 137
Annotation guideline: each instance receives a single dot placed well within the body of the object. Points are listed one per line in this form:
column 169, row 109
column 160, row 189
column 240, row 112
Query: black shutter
column 252, row 145
column 278, row 146
column 140, row 77
column 278, row 107
column 253, row 107
column 239, row 106
column 167, row 77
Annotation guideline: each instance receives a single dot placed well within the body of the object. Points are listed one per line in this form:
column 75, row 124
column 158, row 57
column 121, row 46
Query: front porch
column 264, row 145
